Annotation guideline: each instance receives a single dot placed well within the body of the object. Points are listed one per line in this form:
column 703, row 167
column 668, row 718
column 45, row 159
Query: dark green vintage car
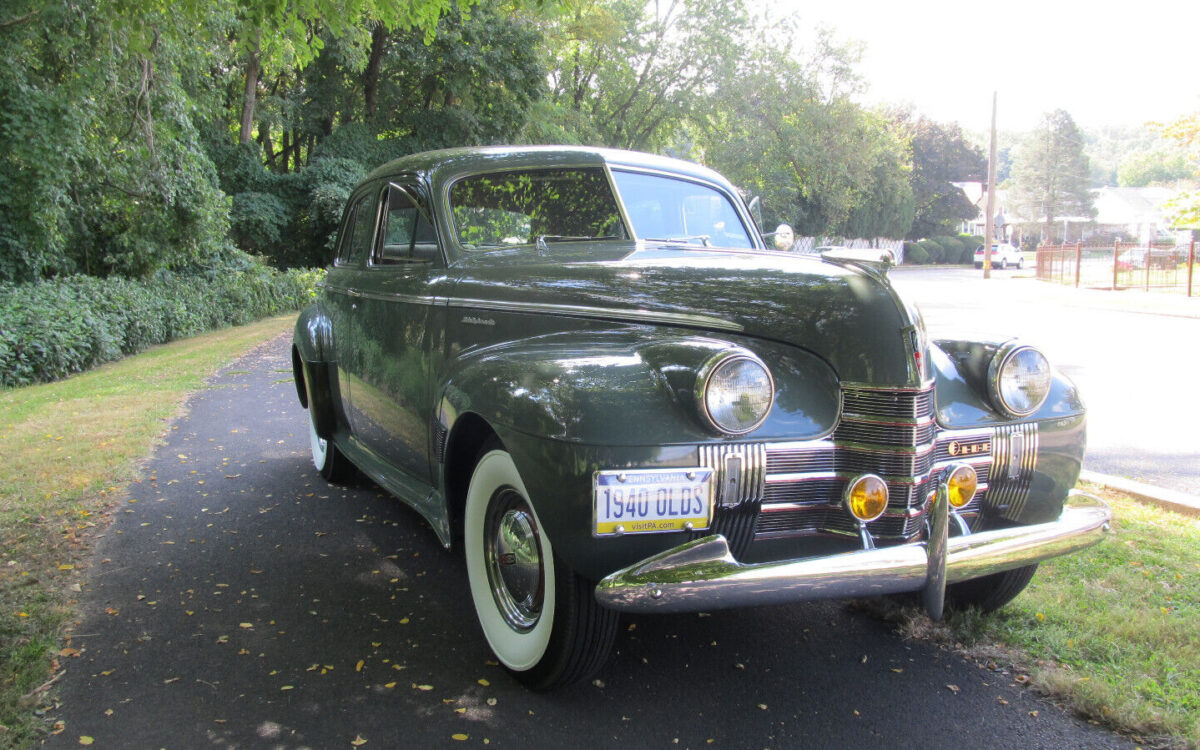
column 584, row 367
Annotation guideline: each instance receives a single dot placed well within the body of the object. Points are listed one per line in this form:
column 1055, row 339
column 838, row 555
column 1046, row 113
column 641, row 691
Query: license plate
column 652, row 500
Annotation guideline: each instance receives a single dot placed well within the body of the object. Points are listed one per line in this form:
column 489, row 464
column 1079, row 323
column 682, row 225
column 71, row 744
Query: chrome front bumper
column 702, row 574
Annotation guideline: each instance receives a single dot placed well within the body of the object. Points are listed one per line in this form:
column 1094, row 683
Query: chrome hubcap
column 513, row 551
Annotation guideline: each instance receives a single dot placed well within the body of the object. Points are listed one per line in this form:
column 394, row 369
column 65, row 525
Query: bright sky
column 1118, row 63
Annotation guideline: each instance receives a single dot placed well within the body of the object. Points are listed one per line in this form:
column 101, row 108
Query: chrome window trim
column 603, row 313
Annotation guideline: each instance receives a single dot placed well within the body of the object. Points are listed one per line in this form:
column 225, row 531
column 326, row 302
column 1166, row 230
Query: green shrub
column 952, row 248
column 55, row 328
column 256, row 221
column 915, row 254
column 936, row 255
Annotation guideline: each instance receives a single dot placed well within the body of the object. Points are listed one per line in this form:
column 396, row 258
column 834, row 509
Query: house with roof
column 1133, row 214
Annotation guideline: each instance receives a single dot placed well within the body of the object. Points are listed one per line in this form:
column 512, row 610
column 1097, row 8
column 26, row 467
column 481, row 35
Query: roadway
column 237, row 600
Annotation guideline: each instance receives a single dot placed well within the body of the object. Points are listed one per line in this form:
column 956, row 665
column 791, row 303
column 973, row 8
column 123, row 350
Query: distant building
column 1122, row 213
column 1133, row 214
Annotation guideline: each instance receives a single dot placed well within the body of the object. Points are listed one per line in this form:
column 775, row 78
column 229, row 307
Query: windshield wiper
column 543, row 239
column 705, row 239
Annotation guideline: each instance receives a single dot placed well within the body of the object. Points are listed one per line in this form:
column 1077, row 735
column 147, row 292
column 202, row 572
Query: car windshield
column 675, row 210
column 534, row 206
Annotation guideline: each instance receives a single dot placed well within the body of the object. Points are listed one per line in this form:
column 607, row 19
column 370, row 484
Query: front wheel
column 990, row 593
column 539, row 616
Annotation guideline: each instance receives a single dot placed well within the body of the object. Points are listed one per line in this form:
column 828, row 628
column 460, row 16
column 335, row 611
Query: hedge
column 55, row 328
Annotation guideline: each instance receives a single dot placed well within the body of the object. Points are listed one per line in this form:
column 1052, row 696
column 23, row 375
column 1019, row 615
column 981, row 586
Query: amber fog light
column 867, row 497
column 962, row 483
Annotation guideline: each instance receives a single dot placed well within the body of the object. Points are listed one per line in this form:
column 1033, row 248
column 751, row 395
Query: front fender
column 629, row 388
column 961, row 374
column 1057, row 431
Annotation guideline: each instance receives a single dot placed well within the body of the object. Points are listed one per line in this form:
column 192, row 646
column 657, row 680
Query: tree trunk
column 285, row 147
column 268, row 146
column 253, row 68
column 371, row 74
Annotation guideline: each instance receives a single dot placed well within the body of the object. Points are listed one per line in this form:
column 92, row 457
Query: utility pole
column 991, row 199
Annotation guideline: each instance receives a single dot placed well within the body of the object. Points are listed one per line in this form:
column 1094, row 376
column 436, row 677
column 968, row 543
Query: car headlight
column 1019, row 377
column 735, row 392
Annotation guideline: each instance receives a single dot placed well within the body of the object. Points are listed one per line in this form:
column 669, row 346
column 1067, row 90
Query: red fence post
column 1078, row 261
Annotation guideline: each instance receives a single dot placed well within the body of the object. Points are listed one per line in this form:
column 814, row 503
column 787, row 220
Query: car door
column 342, row 294
column 394, row 388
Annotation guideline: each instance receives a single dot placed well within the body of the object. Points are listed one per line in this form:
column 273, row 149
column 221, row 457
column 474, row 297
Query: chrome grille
column 796, row 488
column 915, row 432
column 1015, row 458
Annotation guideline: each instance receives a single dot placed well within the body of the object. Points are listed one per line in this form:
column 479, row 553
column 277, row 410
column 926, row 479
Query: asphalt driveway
column 237, row 600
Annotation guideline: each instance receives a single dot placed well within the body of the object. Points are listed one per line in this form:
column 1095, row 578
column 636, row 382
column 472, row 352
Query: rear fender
column 313, row 369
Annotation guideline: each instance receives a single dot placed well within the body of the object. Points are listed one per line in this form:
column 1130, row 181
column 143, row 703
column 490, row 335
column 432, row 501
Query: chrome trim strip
column 411, row 299
column 703, row 575
column 800, row 445
column 800, row 477
column 849, row 386
column 604, row 313
column 857, row 418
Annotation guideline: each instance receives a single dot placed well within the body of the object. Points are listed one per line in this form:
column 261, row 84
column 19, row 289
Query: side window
column 343, row 242
column 408, row 237
column 361, row 230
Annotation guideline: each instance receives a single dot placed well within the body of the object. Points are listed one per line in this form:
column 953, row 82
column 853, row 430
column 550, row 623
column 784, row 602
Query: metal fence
column 1121, row 265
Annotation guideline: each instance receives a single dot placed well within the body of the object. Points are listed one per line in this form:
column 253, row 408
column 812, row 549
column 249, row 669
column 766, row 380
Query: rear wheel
column 539, row 616
column 992, row 592
column 332, row 463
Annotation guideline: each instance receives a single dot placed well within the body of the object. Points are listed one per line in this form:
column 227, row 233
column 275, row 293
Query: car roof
column 446, row 163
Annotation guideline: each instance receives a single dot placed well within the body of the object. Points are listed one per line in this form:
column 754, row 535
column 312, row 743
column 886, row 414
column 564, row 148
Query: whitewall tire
column 539, row 617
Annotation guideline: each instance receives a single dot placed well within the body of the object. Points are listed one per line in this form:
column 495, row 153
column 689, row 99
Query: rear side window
column 408, row 237
column 359, row 230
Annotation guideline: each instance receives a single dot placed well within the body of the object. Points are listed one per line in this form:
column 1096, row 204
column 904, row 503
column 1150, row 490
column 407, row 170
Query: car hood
column 848, row 315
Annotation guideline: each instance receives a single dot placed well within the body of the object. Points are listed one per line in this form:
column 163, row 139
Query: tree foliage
column 1185, row 208
column 784, row 127
column 145, row 135
column 1051, row 176
column 941, row 156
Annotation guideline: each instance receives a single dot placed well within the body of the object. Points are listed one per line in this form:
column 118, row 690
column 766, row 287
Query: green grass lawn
column 1114, row 631
column 69, row 450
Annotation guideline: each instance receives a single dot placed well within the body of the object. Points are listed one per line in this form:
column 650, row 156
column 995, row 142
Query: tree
column 628, row 74
column 785, row 128
column 1185, row 208
column 1051, row 174
column 941, row 156
column 1149, row 167
column 102, row 169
